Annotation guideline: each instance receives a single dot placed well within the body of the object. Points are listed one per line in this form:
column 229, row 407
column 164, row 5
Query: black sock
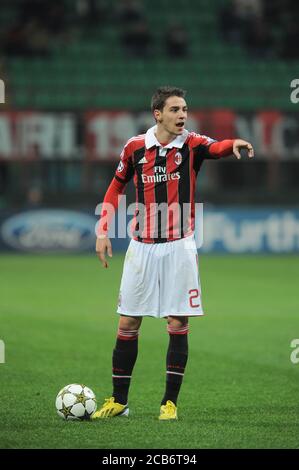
column 176, row 361
column 123, row 361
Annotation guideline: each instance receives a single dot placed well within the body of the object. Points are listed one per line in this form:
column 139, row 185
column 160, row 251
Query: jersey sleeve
column 123, row 174
column 109, row 206
column 224, row 148
column 125, row 170
column 207, row 148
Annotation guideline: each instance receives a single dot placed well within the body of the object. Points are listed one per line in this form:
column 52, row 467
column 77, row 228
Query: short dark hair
column 162, row 93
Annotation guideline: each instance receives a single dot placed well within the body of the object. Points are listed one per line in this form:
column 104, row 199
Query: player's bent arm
column 228, row 147
column 224, row 148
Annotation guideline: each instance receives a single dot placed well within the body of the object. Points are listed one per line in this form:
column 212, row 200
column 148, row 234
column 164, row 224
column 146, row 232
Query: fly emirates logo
column 160, row 175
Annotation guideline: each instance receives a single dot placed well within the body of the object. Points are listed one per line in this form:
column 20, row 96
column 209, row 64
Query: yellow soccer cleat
column 111, row 409
column 168, row 411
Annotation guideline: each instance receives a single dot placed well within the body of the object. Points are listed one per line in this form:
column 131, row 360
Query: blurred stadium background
column 79, row 75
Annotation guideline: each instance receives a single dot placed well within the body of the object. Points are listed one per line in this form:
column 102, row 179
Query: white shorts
column 161, row 279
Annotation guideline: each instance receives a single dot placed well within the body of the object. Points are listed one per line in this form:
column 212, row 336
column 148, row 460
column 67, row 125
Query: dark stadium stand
column 86, row 60
column 92, row 68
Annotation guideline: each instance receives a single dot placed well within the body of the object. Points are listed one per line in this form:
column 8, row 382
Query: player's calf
column 176, row 360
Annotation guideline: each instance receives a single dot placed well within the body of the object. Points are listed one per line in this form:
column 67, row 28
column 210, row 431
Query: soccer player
column 160, row 275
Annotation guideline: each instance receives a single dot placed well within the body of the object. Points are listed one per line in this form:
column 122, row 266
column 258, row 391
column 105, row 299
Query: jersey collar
column 151, row 140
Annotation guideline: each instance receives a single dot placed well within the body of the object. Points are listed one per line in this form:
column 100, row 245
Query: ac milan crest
column 178, row 158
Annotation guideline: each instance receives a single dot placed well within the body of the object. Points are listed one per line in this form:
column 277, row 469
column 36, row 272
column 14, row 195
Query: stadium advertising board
column 250, row 231
column 48, row 230
column 237, row 231
column 100, row 135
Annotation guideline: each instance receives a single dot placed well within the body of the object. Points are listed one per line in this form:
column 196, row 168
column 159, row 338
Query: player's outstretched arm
column 240, row 144
column 103, row 246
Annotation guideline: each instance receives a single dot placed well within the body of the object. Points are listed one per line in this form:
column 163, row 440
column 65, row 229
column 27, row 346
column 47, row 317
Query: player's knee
column 177, row 323
column 129, row 323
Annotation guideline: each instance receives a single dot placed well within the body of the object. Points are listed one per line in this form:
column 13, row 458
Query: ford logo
column 49, row 230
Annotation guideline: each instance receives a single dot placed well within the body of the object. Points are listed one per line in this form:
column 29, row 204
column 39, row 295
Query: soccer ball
column 75, row 402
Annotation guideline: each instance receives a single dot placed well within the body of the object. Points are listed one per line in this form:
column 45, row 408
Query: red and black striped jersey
column 165, row 178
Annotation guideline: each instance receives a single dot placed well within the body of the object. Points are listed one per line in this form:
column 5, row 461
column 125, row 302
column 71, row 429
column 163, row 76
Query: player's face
column 173, row 116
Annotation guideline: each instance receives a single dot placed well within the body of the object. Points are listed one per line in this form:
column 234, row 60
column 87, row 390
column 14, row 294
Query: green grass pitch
column 58, row 322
